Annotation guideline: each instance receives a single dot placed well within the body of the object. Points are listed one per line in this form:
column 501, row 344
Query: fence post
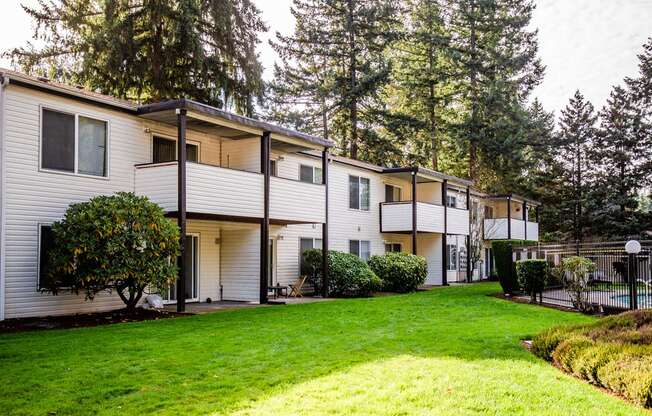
column 631, row 279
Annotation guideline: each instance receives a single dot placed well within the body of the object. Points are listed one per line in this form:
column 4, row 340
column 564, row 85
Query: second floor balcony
column 231, row 194
column 396, row 217
column 512, row 229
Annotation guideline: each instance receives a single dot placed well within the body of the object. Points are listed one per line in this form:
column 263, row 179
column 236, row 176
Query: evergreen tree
column 620, row 159
column 496, row 56
column 150, row 50
column 572, row 143
column 336, row 62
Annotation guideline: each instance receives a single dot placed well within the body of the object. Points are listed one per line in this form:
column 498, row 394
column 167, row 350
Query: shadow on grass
column 255, row 360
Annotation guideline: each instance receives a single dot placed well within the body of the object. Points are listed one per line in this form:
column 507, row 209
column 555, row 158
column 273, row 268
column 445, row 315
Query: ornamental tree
column 121, row 242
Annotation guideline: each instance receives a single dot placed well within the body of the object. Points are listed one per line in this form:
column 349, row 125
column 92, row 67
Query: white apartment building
column 248, row 196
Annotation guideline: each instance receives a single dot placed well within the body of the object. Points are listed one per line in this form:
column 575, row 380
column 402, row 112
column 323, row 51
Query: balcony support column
column 265, row 145
column 444, row 240
column 181, row 208
column 509, row 218
column 536, row 213
column 414, row 212
column 324, row 226
column 525, row 219
column 469, row 276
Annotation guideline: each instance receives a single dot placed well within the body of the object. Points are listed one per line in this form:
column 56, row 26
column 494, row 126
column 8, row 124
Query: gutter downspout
column 4, row 81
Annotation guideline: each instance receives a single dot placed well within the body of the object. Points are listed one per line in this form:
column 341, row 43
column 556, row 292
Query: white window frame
column 198, row 273
column 348, row 187
column 360, row 248
column 316, row 179
column 400, row 190
column 451, row 198
column 176, row 147
column 75, row 172
column 391, row 243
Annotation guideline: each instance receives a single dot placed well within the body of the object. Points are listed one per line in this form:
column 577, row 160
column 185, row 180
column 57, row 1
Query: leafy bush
column 576, row 280
column 120, row 242
column 503, row 260
column 311, row 265
column 532, row 276
column 400, row 272
column 614, row 353
column 349, row 276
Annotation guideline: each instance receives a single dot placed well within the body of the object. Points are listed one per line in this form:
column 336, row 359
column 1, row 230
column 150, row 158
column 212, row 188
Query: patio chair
column 295, row 288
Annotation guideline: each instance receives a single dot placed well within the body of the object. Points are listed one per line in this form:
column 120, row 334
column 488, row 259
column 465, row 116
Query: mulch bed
column 84, row 320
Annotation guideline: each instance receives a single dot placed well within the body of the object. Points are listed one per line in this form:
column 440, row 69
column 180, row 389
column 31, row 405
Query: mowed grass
column 448, row 351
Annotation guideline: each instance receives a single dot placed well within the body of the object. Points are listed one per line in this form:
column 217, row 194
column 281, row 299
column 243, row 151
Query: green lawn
column 448, row 351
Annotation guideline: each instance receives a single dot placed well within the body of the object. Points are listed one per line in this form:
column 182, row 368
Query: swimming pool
column 644, row 300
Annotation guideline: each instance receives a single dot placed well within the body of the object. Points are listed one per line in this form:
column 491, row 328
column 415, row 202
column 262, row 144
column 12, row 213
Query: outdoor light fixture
column 633, row 247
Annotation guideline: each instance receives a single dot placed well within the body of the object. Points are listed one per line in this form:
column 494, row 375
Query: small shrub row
column 614, row 353
column 400, row 272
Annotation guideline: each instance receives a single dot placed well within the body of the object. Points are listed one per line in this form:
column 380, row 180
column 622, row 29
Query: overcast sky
column 585, row 44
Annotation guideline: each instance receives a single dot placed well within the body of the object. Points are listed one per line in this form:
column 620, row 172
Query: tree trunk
column 353, row 101
column 431, row 108
column 135, row 293
column 473, row 140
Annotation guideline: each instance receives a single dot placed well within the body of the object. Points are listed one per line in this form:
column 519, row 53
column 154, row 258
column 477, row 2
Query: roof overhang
column 211, row 120
column 427, row 175
column 513, row 197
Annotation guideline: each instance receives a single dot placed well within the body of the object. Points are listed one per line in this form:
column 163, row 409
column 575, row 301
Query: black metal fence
column 620, row 281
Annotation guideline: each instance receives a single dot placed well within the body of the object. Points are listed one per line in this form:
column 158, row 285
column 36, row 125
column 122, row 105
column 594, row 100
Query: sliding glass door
column 192, row 273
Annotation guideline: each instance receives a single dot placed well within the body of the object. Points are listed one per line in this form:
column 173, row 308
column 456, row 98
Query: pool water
column 644, row 299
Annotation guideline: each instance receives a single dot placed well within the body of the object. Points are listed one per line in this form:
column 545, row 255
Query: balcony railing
column 397, row 217
column 497, row 229
column 231, row 193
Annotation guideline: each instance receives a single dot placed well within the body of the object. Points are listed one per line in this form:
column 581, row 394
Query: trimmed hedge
column 532, row 275
column 350, row 276
column 614, row 353
column 400, row 272
column 502, row 251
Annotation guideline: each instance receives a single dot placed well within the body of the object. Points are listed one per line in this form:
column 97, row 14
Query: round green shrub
column 350, row 276
column 400, row 272
column 532, row 276
column 503, row 253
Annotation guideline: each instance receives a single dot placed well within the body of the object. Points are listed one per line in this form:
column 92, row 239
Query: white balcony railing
column 231, row 193
column 496, row 229
column 397, row 217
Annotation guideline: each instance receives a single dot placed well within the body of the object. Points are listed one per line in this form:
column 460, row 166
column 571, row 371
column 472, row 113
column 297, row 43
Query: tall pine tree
column 337, row 63
column 150, row 50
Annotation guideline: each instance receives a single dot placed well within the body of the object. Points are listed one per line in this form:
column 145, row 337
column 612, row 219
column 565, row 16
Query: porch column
column 181, row 208
column 324, row 226
column 536, row 213
column 468, row 237
column 509, row 217
column 525, row 219
column 444, row 240
column 265, row 144
column 414, row 212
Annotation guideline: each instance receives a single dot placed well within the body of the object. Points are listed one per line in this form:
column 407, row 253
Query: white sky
column 585, row 44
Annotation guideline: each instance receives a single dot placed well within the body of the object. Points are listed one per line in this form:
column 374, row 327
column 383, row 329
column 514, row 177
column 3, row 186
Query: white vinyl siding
column 240, row 271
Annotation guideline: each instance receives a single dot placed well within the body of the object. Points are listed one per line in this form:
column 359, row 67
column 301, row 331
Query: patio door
column 270, row 264
column 192, row 273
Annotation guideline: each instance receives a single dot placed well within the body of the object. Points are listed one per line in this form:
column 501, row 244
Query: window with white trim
column 310, row 174
column 165, row 150
column 73, row 143
column 306, row 244
column 451, row 256
column 359, row 193
column 451, row 201
column 360, row 248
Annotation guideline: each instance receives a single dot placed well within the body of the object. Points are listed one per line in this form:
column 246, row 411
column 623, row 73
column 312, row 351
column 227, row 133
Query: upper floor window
column 360, row 248
column 451, row 201
column 165, row 150
column 358, row 193
column 488, row 212
column 73, row 143
column 310, row 174
column 392, row 193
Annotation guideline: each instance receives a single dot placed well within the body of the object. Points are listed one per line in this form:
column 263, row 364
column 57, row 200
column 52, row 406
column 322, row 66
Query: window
column 360, row 248
column 307, row 244
column 46, row 241
column 392, row 193
column 359, row 193
column 165, row 150
column 451, row 201
column 488, row 212
column 451, row 254
column 310, row 174
column 273, row 168
column 392, row 247
column 73, row 143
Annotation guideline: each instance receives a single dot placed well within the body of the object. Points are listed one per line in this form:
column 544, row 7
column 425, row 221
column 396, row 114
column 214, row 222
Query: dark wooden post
column 469, row 276
column 414, row 212
column 264, row 224
column 525, row 219
column 509, row 218
column 536, row 213
column 324, row 227
column 444, row 257
column 181, row 208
